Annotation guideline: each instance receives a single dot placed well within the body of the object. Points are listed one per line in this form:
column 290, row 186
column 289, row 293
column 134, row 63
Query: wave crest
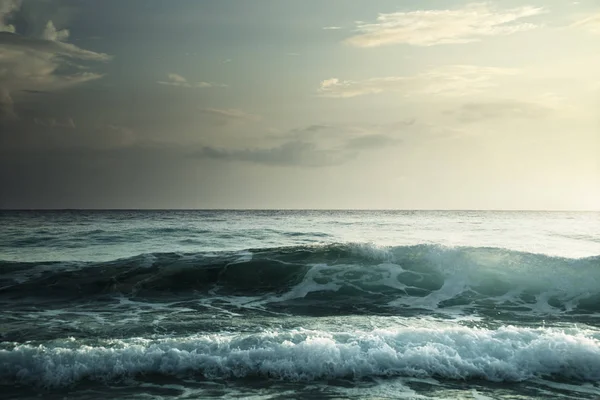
column 334, row 278
column 505, row 354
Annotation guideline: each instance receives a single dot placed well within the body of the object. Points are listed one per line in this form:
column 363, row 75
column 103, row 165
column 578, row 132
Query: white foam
column 326, row 278
column 385, row 389
column 244, row 256
column 308, row 285
column 373, row 251
column 453, row 352
column 479, row 396
column 147, row 260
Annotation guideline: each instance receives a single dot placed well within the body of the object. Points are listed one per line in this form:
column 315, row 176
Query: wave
column 338, row 277
column 506, row 354
column 60, row 238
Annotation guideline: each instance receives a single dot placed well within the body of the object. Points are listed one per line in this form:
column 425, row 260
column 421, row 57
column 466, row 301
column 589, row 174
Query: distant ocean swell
column 506, row 354
column 337, row 275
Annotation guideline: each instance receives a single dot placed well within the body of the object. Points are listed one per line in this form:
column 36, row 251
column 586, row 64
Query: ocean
column 299, row 304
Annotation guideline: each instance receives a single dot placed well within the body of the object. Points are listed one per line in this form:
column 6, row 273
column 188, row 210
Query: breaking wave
column 351, row 278
column 506, row 354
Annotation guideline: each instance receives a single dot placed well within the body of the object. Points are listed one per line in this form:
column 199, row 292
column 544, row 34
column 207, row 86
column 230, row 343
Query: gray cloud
column 45, row 48
column 316, row 145
column 313, row 128
column 7, row 9
column 312, row 132
column 294, row 153
column 220, row 117
column 368, row 142
column 40, row 63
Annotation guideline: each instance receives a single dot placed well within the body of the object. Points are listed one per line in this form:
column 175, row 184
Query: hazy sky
column 300, row 104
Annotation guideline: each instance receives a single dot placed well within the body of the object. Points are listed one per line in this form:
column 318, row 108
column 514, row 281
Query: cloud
column 311, row 129
column 433, row 27
column 501, row 109
column 40, row 47
column 293, row 153
column 315, row 145
column 38, row 64
column 30, row 64
column 590, row 24
column 51, row 33
column 367, row 142
column 7, row 9
column 179, row 81
column 176, row 78
column 455, row 80
column 332, row 28
column 226, row 116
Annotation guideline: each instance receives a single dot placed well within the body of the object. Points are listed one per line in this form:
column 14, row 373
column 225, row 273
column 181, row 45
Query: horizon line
column 298, row 209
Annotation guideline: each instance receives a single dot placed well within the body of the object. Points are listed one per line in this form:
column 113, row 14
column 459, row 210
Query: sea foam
column 450, row 352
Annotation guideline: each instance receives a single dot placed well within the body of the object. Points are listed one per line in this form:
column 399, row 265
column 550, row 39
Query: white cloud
column 38, row 63
column 432, row 27
column 455, row 80
column 180, row 81
column 7, row 8
column 332, row 28
column 176, row 78
column 590, row 24
column 28, row 63
column 51, row 33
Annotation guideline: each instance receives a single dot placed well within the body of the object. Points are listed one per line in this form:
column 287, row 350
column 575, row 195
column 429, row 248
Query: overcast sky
column 431, row 104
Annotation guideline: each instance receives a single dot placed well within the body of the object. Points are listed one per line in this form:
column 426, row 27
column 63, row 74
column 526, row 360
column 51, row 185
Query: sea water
column 299, row 304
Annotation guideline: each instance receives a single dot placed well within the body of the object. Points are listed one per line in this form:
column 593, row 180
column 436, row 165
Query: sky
column 338, row 104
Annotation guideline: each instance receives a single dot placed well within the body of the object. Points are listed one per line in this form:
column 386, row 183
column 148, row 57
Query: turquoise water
column 299, row 304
